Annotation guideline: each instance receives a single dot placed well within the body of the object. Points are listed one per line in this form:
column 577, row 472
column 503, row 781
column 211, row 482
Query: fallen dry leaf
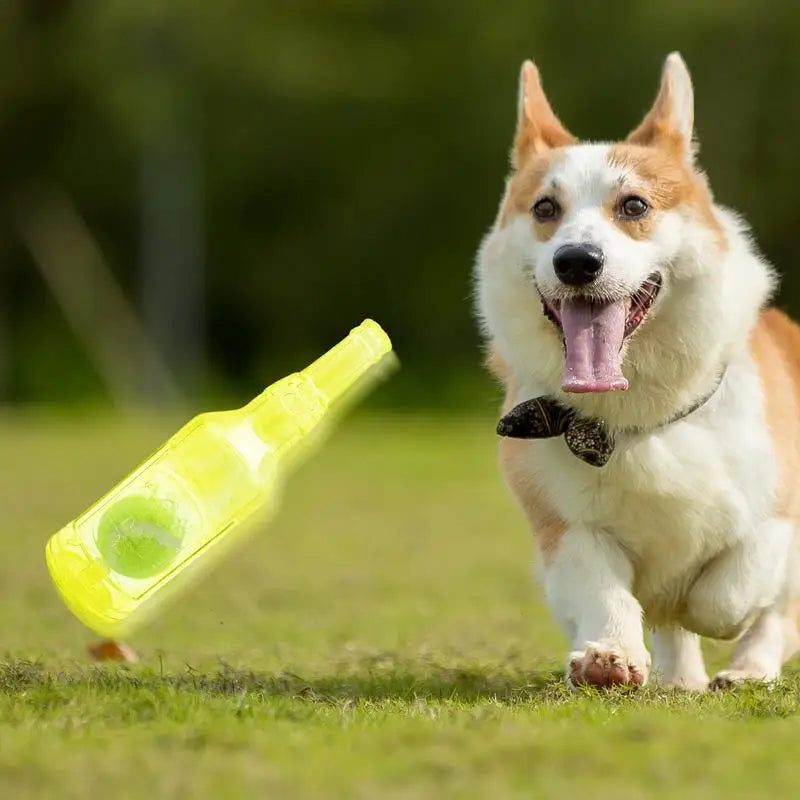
column 109, row 650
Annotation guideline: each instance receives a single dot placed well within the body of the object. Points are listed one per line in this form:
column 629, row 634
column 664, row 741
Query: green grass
column 382, row 639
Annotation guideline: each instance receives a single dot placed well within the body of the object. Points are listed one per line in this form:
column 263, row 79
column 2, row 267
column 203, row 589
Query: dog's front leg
column 588, row 583
column 740, row 582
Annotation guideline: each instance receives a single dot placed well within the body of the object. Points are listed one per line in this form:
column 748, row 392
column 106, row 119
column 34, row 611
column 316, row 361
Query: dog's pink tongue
column 593, row 335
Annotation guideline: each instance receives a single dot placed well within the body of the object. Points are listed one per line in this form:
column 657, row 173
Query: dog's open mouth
column 594, row 333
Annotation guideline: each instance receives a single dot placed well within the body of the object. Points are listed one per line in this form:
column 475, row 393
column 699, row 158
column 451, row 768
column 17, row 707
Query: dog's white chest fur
column 675, row 498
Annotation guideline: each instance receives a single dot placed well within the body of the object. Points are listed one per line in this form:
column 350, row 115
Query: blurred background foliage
column 259, row 177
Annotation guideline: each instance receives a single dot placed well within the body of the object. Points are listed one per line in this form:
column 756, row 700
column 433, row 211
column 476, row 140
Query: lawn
column 382, row 639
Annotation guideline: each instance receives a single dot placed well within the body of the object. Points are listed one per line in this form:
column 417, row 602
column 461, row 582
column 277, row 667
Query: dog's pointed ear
column 538, row 128
column 670, row 122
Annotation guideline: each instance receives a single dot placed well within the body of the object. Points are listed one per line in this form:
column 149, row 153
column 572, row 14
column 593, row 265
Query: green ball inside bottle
column 139, row 536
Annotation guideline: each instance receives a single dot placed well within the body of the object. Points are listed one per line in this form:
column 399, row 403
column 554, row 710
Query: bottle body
column 212, row 476
column 219, row 475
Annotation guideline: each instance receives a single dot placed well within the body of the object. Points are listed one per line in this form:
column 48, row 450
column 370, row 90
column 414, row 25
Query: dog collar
column 588, row 438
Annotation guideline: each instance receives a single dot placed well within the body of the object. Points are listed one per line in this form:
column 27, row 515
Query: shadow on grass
column 368, row 679
column 384, row 679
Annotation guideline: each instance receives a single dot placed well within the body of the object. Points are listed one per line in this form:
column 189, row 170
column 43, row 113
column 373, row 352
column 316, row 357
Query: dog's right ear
column 670, row 121
column 538, row 128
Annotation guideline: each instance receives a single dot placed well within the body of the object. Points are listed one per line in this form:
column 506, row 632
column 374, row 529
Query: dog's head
column 593, row 240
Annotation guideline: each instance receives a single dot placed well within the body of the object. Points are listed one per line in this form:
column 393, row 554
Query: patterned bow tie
column 589, row 439
column 544, row 418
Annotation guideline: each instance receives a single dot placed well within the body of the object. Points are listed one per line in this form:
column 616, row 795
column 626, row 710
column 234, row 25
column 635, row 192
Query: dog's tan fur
column 775, row 346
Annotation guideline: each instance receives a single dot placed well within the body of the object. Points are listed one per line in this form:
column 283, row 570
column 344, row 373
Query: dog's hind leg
column 791, row 629
column 678, row 659
column 760, row 652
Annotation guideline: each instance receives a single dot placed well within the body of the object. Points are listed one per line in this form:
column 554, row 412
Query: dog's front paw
column 604, row 665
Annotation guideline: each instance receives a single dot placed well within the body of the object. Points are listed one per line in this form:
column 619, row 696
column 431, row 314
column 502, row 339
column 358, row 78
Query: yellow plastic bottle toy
column 220, row 474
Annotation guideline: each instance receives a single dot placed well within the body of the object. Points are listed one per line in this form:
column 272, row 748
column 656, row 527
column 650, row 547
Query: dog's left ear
column 670, row 122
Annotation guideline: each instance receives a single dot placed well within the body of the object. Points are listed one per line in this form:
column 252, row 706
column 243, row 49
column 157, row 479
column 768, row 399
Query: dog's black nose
column 578, row 264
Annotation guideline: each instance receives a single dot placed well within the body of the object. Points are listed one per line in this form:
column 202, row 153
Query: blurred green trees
column 348, row 155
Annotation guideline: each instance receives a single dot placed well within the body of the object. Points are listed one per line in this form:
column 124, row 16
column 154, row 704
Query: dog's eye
column 545, row 209
column 633, row 207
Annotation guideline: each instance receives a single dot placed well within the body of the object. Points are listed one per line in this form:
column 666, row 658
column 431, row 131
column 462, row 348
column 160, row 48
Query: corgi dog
column 652, row 413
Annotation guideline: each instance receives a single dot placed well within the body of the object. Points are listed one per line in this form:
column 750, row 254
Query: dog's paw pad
column 600, row 665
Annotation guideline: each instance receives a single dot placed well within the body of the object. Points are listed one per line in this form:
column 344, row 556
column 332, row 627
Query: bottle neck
column 291, row 416
column 344, row 369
